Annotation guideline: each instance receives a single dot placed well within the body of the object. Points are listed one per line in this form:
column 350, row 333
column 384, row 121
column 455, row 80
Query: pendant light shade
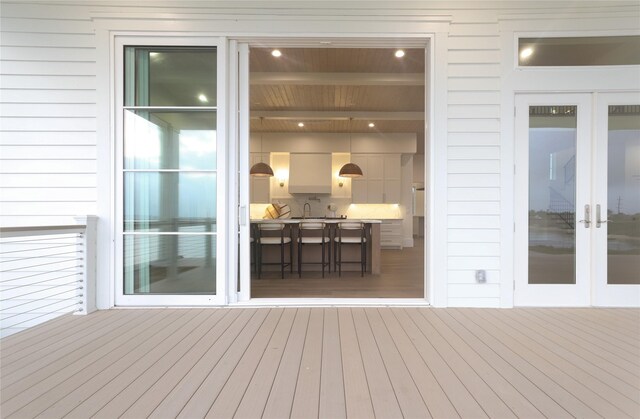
column 261, row 169
column 350, row 169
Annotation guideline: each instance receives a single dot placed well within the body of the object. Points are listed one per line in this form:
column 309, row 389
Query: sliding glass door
column 169, row 175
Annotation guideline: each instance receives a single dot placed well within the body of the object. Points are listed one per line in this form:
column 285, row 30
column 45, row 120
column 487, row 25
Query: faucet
column 304, row 211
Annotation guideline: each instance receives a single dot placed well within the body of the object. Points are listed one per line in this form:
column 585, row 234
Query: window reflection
column 170, row 140
column 552, row 189
column 623, row 195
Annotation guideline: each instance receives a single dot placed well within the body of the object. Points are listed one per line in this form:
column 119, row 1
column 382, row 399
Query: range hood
column 310, row 173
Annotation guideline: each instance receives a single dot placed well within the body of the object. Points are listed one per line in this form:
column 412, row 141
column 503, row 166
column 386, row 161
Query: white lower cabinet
column 391, row 234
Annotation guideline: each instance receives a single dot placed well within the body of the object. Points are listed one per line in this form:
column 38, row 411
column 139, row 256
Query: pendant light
column 261, row 169
column 350, row 169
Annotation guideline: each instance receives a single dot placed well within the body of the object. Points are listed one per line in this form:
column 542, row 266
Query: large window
column 169, row 170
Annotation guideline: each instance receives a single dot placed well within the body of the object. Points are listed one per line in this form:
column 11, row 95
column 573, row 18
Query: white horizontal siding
column 473, row 221
column 473, row 262
column 474, row 138
column 58, row 138
column 475, row 193
column 48, row 54
column 50, row 166
column 37, row 195
column 474, row 166
column 63, row 82
column 473, row 235
column 474, row 207
column 47, row 114
column 34, row 97
column 469, row 277
column 473, row 155
column 49, row 152
column 53, row 123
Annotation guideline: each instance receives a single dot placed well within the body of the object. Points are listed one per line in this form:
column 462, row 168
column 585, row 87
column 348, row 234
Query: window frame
column 144, row 41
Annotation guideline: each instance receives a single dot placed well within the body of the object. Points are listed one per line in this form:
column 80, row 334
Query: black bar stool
column 351, row 233
column 310, row 233
column 268, row 236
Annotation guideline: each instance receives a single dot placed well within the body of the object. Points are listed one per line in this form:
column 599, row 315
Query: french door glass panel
column 623, row 195
column 169, row 170
column 553, row 167
column 552, row 194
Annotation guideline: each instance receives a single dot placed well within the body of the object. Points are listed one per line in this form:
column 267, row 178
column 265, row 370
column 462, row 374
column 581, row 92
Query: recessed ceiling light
column 301, row 124
column 371, row 125
column 153, row 54
column 526, row 53
column 202, row 98
column 276, row 53
column 399, row 53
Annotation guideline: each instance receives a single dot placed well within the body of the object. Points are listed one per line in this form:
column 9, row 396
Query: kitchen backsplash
column 319, row 208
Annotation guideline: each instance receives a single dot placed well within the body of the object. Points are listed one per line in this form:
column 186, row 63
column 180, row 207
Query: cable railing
column 45, row 272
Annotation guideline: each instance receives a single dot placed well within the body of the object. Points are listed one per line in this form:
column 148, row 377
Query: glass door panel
column 552, row 194
column 623, row 194
column 616, row 231
column 169, row 175
column 552, row 159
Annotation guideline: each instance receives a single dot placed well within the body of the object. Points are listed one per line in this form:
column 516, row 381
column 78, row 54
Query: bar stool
column 351, row 233
column 267, row 236
column 314, row 233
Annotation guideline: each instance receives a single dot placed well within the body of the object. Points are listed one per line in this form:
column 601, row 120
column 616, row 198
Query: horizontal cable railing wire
column 42, row 274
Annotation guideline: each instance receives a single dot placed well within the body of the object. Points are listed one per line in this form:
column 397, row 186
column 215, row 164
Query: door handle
column 587, row 216
column 598, row 220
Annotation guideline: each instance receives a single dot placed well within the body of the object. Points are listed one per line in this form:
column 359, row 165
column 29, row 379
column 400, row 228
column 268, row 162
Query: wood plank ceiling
column 324, row 87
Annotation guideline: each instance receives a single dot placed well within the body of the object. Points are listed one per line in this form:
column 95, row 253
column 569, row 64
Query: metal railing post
column 87, row 293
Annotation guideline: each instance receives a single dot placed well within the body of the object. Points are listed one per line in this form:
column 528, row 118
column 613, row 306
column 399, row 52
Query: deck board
column 326, row 362
column 571, row 377
column 543, row 404
column 306, row 401
column 280, row 398
column 616, row 355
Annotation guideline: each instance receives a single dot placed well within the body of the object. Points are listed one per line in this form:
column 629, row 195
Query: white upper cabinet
column 381, row 181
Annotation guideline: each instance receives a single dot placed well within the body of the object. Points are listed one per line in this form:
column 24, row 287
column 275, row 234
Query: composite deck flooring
column 364, row 362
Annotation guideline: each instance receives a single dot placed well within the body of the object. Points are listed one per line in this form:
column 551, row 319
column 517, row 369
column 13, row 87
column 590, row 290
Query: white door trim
column 435, row 176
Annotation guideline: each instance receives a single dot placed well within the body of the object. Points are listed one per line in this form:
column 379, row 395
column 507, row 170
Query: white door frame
column 240, row 49
column 164, row 39
column 603, row 294
column 577, row 294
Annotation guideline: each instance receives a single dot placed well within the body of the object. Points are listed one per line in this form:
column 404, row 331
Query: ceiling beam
column 338, row 115
column 337, row 79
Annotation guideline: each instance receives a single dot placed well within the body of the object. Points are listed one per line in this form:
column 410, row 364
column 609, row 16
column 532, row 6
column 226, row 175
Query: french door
column 577, row 218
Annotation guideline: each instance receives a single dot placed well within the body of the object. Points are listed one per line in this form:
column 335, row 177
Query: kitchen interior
column 315, row 113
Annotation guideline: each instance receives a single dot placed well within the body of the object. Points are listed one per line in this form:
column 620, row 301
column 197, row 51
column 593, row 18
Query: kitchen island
column 372, row 228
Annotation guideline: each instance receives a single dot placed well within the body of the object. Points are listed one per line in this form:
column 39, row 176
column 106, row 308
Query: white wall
column 47, row 114
column 48, row 106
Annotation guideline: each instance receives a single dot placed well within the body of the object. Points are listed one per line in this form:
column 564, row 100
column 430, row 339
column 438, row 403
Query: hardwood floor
column 401, row 277
column 326, row 363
